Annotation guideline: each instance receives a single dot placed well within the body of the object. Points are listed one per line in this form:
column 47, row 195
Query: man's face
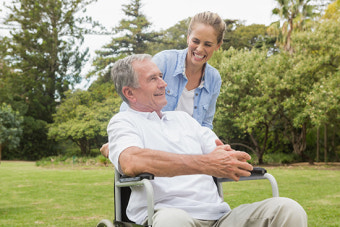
column 150, row 95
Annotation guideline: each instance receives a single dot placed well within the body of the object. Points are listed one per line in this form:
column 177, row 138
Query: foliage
column 240, row 36
column 131, row 37
column 294, row 14
column 45, row 59
column 247, row 100
column 282, row 94
column 83, row 117
column 320, row 51
column 72, row 161
column 174, row 37
column 332, row 11
column 10, row 128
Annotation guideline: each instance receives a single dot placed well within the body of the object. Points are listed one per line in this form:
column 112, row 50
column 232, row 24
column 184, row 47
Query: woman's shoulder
column 169, row 53
column 212, row 71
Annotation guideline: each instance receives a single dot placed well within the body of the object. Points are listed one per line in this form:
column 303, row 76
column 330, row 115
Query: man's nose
column 162, row 83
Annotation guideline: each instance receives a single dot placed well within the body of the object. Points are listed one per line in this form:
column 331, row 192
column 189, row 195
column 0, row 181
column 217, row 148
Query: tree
column 83, row 117
column 174, row 37
column 293, row 13
column 10, row 128
column 322, row 49
column 240, row 36
column 45, row 59
column 332, row 11
column 246, row 101
column 131, row 37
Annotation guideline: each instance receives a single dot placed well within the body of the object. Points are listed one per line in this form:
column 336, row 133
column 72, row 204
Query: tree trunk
column 288, row 47
column 333, row 145
column 299, row 139
column 0, row 151
column 325, row 144
column 317, row 144
column 260, row 150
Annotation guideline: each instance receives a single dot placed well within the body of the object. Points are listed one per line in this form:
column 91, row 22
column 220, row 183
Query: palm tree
column 293, row 13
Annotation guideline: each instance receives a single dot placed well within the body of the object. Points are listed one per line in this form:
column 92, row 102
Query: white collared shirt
column 175, row 132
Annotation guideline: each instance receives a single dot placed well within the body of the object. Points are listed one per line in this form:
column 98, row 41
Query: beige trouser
column 275, row 211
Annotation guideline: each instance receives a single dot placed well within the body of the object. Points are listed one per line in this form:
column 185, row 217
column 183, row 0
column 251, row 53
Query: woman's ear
column 129, row 94
column 219, row 45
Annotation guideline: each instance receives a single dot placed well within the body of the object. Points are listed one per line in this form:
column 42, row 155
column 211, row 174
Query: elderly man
column 183, row 156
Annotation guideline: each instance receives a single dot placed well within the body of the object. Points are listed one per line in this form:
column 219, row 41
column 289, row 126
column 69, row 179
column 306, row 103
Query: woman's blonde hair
column 212, row 19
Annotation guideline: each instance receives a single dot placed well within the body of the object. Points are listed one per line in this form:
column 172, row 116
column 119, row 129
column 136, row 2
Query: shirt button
column 196, row 94
column 195, row 107
column 168, row 91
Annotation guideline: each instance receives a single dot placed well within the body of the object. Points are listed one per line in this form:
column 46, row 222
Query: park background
column 279, row 98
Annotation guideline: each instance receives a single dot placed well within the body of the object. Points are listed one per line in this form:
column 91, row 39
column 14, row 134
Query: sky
column 165, row 13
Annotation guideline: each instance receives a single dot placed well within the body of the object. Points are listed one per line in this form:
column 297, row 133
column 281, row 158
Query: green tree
column 10, row 128
column 240, row 36
column 83, row 117
column 245, row 104
column 332, row 11
column 293, row 13
column 131, row 37
column 174, row 37
column 321, row 50
column 45, row 59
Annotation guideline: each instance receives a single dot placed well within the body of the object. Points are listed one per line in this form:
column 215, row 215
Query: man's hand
column 226, row 162
column 105, row 150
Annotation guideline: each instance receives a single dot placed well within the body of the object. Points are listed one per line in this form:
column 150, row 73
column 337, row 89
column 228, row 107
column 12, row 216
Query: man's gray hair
column 123, row 74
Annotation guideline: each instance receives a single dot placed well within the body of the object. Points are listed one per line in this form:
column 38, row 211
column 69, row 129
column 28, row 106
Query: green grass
column 81, row 196
column 317, row 190
column 35, row 196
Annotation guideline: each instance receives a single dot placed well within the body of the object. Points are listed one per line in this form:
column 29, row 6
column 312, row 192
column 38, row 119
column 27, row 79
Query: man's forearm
column 219, row 163
column 134, row 161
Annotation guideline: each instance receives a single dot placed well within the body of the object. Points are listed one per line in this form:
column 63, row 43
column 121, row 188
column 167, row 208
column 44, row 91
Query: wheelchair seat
column 122, row 193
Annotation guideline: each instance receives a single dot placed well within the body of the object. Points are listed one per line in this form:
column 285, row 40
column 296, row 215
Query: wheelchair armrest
column 139, row 177
column 258, row 173
column 140, row 180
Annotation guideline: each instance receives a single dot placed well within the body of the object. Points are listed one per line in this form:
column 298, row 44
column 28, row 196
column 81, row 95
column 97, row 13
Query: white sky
column 166, row 13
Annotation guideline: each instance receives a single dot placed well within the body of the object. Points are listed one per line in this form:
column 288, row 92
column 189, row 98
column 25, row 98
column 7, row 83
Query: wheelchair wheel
column 105, row 223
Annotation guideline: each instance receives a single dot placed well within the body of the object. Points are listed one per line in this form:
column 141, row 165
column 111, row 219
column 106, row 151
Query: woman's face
column 202, row 42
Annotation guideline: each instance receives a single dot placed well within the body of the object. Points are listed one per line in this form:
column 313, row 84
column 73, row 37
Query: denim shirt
column 172, row 65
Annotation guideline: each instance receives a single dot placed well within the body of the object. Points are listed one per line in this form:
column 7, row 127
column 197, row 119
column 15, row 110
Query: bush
column 73, row 160
column 279, row 158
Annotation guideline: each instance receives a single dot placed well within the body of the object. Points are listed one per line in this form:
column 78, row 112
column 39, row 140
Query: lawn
column 81, row 196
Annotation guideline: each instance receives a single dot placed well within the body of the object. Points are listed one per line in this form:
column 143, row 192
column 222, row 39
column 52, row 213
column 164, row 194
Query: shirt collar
column 150, row 115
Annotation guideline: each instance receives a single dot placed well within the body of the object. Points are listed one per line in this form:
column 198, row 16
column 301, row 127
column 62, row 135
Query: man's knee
column 289, row 211
column 172, row 217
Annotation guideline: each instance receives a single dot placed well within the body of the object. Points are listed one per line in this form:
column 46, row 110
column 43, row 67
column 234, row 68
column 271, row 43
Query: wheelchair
column 122, row 193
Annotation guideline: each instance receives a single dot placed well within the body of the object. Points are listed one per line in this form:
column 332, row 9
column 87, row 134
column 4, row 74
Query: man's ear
column 129, row 94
